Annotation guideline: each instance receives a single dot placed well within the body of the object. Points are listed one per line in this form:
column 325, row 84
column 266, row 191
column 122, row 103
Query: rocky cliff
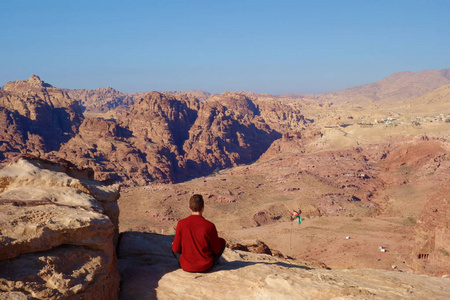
column 432, row 234
column 143, row 137
column 58, row 233
column 171, row 137
column 37, row 117
column 167, row 138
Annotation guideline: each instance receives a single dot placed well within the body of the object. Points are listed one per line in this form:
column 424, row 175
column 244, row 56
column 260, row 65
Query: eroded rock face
column 163, row 137
column 432, row 246
column 38, row 117
column 228, row 131
column 168, row 138
column 57, row 233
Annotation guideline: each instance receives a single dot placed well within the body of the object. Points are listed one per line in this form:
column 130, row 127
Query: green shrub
column 410, row 221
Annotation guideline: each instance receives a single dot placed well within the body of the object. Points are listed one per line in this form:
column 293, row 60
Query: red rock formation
column 161, row 137
column 228, row 131
column 46, row 115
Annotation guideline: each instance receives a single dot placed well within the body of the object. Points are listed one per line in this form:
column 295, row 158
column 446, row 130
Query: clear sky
column 262, row 46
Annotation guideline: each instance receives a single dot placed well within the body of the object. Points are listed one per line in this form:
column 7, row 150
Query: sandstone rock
column 168, row 138
column 432, row 246
column 149, row 271
column 257, row 247
column 57, row 234
column 38, row 109
column 227, row 132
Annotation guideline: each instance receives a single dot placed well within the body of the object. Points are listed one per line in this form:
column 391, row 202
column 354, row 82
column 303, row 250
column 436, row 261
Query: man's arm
column 217, row 243
column 176, row 245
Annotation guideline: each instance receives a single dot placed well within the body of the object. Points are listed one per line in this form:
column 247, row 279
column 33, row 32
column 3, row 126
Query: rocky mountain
column 153, row 137
column 166, row 137
column 36, row 117
column 101, row 100
column 398, row 86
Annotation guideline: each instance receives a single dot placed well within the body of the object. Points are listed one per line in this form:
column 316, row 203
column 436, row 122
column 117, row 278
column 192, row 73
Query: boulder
column 58, row 234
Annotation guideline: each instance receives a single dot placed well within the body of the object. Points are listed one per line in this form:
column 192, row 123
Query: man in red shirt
column 196, row 245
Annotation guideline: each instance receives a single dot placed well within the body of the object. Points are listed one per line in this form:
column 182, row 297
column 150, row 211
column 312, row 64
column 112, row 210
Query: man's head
column 196, row 203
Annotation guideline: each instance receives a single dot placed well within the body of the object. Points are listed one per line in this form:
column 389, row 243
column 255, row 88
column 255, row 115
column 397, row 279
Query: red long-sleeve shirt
column 197, row 240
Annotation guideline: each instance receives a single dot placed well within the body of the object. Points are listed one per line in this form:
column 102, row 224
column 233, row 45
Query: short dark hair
column 196, row 203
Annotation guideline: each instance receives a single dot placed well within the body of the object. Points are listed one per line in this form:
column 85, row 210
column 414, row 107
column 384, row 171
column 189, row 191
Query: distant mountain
column 396, row 87
column 433, row 103
column 103, row 100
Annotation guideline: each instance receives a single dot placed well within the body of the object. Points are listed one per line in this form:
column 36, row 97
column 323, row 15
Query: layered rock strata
column 58, row 233
column 35, row 117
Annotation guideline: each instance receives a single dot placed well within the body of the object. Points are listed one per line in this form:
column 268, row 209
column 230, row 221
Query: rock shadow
column 144, row 258
column 237, row 264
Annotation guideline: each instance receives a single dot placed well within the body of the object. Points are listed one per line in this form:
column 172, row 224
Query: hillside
column 396, row 87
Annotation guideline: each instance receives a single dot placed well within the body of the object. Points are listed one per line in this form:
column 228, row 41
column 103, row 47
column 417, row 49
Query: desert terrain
column 389, row 170
column 367, row 166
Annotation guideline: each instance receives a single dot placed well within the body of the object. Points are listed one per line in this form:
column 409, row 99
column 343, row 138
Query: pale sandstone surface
column 150, row 271
column 57, row 239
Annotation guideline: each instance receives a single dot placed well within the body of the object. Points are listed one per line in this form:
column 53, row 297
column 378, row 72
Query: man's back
column 197, row 240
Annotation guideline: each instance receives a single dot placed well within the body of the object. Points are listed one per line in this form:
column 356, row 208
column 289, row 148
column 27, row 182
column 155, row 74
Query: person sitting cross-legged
column 197, row 246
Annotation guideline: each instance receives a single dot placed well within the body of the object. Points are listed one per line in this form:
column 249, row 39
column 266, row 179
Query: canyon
column 367, row 166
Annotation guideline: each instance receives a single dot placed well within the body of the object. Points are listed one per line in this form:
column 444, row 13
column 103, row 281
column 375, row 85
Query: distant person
column 197, row 246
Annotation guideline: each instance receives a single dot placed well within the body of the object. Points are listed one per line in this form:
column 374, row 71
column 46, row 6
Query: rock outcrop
column 431, row 251
column 227, row 132
column 58, row 233
column 149, row 271
column 163, row 137
column 37, row 117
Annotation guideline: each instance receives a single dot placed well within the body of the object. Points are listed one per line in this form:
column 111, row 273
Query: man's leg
column 218, row 255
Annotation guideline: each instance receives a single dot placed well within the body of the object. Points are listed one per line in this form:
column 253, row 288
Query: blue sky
column 262, row 46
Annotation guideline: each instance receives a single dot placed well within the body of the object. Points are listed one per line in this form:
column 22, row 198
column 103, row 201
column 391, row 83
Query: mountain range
column 170, row 137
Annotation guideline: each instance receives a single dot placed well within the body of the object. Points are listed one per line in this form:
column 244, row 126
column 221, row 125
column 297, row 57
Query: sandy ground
column 324, row 239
